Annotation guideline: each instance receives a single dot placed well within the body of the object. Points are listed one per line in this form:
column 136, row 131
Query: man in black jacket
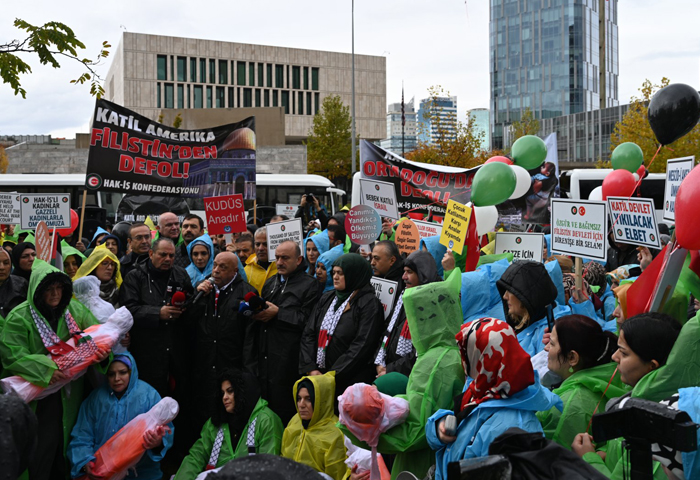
column 386, row 261
column 272, row 340
column 160, row 335
column 140, row 242
column 13, row 289
column 220, row 330
column 192, row 227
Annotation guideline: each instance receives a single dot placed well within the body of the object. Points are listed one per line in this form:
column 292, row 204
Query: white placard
column 676, row 170
column 579, row 228
column 9, row 208
column 286, row 209
column 386, row 293
column 523, row 246
column 281, row 232
column 381, row 196
column 428, row 229
column 633, row 221
column 52, row 208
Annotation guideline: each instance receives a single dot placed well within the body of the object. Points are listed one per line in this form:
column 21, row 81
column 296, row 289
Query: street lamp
column 354, row 147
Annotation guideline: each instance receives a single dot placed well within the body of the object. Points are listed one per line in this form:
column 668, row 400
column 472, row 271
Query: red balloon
column 618, row 183
column 686, row 209
column 641, row 171
column 74, row 220
column 505, row 160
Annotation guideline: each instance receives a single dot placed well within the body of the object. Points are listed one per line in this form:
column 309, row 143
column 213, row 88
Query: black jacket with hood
column 13, row 291
column 532, row 285
column 130, row 261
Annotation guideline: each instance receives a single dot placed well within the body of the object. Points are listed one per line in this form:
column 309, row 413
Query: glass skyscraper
column 437, row 117
column 556, row 57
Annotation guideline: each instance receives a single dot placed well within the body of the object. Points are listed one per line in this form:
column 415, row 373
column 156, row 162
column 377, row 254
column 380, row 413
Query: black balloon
column 673, row 112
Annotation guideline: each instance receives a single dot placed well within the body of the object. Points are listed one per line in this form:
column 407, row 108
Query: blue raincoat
column 100, row 231
column 321, row 242
column 608, row 299
column 327, row 260
column 689, row 401
column 197, row 275
column 102, row 415
column 487, row 421
column 584, row 308
column 480, row 297
column 433, row 246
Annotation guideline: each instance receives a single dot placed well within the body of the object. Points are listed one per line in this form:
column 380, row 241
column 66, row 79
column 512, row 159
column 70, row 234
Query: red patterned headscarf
column 494, row 359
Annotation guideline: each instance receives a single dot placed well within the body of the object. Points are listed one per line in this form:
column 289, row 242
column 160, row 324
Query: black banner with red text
column 132, row 154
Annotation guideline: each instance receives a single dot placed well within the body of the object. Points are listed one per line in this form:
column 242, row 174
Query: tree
column 634, row 127
column 329, row 146
column 178, row 120
column 455, row 143
column 49, row 42
column 527, row 125
column 4, row 161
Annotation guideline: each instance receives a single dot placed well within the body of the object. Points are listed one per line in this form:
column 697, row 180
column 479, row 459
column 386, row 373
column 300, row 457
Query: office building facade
column 482, row 124
column 437, row 116
column 555, row 57
column 398, row 139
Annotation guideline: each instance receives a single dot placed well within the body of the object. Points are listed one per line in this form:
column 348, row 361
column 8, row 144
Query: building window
column 269, row 75
column 189, row 100
column 314, row 79
column 317, row 99
column 300, row 104
column 285, row 101
column 181, row 69
column 212, row 71
column 198, row 101
column 220, row 97
column 279, row 76
column 287, row 82
column 238, row 97
column 193, row 70
column 251, row 74
column 230, row 97
column 306, row 78
column 258, row 102
column 209, row 99
column 261, row 71
column 296, row 78
column 266, row 97
column 172, row 68
column 158, row 100
column 180, row 96
column 169, row 94
column 247, row 97
column 223, row 72
column 308, row 103
column 162, row 67
column 241, row 73
column 275, row 101
column 202, row 70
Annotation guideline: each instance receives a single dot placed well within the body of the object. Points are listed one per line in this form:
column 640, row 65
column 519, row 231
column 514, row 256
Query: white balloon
column 522, row 182
column 636, row 177
column 596, row 194
column 486, row 218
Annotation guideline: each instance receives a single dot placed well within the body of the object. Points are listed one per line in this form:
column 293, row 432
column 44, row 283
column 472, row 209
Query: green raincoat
column 24, row 354
column 268, row 436
column 434, row 316
column 580, row 393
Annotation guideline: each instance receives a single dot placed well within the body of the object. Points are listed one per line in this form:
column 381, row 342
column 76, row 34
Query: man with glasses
column 258, row 267
column 139, row 242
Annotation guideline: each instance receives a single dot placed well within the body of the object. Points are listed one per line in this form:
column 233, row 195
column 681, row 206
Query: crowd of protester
column 256, row 349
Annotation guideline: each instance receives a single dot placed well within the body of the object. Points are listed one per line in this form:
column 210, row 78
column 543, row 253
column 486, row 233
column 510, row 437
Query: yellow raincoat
column 320, row 445
column 257, row 275
column 95, row 258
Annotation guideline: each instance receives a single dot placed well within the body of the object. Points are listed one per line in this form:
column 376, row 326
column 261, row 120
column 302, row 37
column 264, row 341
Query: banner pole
column 82, row 217
column 255, row 211
column 579, row 273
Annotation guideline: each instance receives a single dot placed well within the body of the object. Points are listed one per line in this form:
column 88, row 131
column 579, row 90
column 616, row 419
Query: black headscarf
column 357, row 272
column 424, row 265
column 246, row 393
column 16, row 255
column 309, row 386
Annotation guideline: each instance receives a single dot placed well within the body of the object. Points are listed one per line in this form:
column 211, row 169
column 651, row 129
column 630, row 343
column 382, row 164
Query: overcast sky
column 426, row 43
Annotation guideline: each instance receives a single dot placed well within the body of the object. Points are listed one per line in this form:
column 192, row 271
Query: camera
column 309, row 197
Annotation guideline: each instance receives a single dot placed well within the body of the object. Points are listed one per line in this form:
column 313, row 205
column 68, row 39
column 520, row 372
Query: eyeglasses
column 108, row 264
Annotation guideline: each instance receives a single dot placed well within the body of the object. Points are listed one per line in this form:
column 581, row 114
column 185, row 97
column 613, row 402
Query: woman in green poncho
column 72, row 259
column 242, row 425
column 580, row 353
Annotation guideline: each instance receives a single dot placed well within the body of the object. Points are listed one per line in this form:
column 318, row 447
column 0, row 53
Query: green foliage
column 329, row 145
column 178, row 120
column 47, row 42
column 4, row 161
column 527, row 125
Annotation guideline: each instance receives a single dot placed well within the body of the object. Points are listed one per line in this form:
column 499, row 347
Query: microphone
column 178, row 299
column 200, row 293
column 252, row 303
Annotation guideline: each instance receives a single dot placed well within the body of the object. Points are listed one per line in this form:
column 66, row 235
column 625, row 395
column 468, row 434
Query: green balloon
column 627, row 156
column 494, row 183
column 529, row 152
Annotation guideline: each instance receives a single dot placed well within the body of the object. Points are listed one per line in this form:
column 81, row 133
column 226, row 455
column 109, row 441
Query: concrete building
column 555, row 57
column 483, row 125
column 437, row 116
column 394, row 140
column 153, row 73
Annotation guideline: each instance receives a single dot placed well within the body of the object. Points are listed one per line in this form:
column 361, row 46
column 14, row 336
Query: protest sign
column 52, row 208
column 363, row 224
column 579, row 228
column 132, row 154
column 225, row 214
column 668, row 277
column 42, row 242
column 455, row 226
column 386, row 292
column 633, row 221
column 407, row 237
column 9, row 208
column 281, row 232
column 428, row 229
column 523, row 246
column 381, row 196
column 676, row 170
column 286, row 209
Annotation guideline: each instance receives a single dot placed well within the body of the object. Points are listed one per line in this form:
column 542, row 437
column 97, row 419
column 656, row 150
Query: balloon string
column 601, row 398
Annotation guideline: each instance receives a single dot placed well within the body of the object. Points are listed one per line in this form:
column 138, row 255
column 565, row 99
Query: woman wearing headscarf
column 110, row 407
column 242, row 425
column 345, row 326
column 13, row 289
column 315, row 245
column 312, row 437
column 527, row 291
column 324, row 268
column 23, row 256
column 505, row 392
column 201, row 253
column 72, row 259
column 104, row 265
